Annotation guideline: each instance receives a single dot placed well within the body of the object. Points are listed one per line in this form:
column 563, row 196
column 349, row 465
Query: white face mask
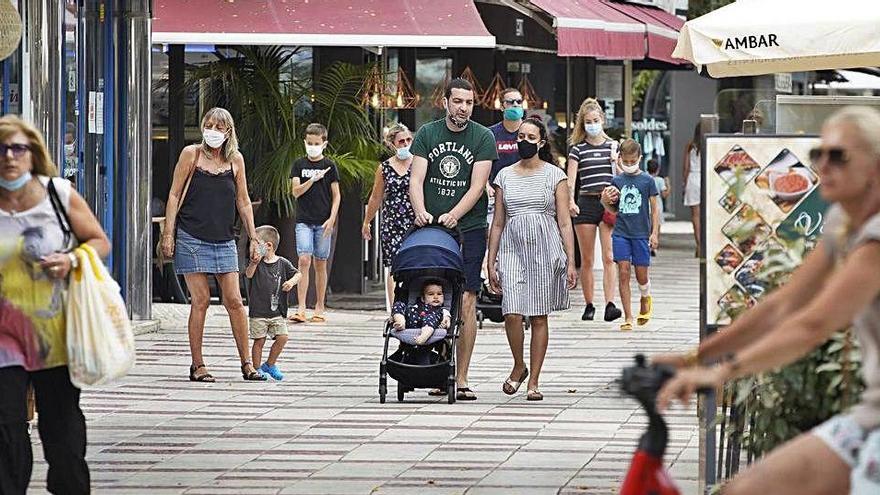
column 593, row 129
column 213, row 138
column 630, row 169
column 314, row 150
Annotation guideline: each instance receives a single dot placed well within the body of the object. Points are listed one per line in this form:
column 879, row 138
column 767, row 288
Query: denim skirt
column 193, row 255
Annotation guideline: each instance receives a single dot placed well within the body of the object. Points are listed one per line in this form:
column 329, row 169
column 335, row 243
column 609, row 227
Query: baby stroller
column 427, row 253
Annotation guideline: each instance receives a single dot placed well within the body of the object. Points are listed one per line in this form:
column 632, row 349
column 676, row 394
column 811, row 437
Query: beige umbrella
column 752, row 37
column 10, row 29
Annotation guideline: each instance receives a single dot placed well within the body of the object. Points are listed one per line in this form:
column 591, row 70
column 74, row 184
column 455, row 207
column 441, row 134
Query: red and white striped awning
column 387, row 23
column 612, row 30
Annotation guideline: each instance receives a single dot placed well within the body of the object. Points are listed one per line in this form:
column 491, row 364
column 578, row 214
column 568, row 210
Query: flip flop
column 465, row 393
column 643, row 318
column 437, row 392
column 318, row 319
column 626, row 326
column 510, row 387
column 297, row 318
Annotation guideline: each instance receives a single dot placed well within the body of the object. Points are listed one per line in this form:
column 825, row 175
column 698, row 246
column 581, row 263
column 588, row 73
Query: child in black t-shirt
column 315, row 184
column 271, row 278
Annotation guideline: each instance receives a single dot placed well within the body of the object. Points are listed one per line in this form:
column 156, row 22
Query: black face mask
column 526, row 149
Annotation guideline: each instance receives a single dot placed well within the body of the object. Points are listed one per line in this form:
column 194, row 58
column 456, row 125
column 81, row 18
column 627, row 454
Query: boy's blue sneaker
column 272, row 371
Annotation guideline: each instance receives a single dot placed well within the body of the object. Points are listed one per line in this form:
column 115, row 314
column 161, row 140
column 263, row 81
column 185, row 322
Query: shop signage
column 762, row 204
column 783, row 82
column 650, row 125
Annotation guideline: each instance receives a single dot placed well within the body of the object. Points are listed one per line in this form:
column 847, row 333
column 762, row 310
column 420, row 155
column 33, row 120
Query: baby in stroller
column 425, row 320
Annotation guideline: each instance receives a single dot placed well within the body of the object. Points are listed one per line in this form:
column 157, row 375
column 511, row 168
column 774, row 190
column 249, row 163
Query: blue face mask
column 593, row 129
column 15, row 185
column 403, row 153
column 513, row 113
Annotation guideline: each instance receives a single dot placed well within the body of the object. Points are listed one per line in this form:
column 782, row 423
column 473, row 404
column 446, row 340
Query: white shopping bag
column 100, row 342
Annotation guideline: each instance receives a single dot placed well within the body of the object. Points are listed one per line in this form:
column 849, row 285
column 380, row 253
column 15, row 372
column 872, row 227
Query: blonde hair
column 268, row 233
column 630, row 147
column 41, row 160
column 865, row 119
column 393, row 131
column 578, row 133
column 222, row 116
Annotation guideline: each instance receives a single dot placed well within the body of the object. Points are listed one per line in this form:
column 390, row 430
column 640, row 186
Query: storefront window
column 70, row 168
column 430, row 74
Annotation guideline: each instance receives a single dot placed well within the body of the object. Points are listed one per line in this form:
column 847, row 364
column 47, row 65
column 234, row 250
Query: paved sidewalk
column 323, row 431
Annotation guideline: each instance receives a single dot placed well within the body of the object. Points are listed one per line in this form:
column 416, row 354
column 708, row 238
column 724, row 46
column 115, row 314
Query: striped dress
column 531, row 259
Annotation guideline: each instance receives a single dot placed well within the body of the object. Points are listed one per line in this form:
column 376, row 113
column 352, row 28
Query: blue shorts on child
column 635, row 251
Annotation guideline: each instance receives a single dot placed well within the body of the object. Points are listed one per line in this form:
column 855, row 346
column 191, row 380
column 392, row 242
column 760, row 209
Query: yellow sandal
column 643, row 318
column 626, row 326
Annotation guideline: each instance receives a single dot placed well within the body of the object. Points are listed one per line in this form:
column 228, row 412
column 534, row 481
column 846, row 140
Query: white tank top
column 695, row 164
column 39, row 225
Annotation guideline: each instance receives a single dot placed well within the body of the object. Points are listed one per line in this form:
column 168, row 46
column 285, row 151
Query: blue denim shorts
column 636, row 251
column 193, row 255
column 310, row 240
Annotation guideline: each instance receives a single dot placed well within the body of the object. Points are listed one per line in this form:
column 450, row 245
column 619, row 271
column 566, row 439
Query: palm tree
column 273, row 99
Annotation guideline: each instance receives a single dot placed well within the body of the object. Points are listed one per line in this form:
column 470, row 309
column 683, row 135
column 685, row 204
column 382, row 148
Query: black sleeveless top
column 208, row 210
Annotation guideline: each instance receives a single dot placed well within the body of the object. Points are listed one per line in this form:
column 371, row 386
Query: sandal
column 464, row 393
column 643, row 318
column 297, row 317
column 318, row 319
column 626, row 326
column 510, row 387
column 205, row 377
column 253, row 376
column 437, row 392
column 534, row 395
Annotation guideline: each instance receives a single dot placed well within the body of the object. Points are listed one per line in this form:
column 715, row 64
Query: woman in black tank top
column 208, row 189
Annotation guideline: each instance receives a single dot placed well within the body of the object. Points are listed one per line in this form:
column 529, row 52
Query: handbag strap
column 60, row 212
column 189, row 177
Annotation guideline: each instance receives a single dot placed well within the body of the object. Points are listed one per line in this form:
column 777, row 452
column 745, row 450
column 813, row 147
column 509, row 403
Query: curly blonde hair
column 578, row 133
column 41, row 160
column 393, row 131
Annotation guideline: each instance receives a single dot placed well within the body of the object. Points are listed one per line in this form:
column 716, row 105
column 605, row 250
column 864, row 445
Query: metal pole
column 135, row 94
column 627, row 97
column 706, row 405
column 568, row 122
column 44, row 46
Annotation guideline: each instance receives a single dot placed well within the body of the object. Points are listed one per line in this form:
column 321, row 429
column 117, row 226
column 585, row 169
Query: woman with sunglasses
column 838, row 285
column 34, row 264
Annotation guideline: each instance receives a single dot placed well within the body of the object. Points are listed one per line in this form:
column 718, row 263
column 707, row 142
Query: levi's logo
column 507, row 146
column 752, row 41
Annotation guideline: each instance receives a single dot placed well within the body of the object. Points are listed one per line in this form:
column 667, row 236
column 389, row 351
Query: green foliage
column 696, row 8
column 641, row 83
column 793, row 399
column 273, row 101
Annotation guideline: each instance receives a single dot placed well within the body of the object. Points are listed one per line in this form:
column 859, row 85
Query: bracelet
column 74, row 261
column 731, row 360
column 692, row 358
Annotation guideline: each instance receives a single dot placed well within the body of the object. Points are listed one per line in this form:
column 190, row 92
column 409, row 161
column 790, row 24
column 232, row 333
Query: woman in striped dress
column 531, row 250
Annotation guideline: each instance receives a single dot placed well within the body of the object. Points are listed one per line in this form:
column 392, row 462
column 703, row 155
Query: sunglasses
column 514, row 102
column 837, row 157
column 18, row 149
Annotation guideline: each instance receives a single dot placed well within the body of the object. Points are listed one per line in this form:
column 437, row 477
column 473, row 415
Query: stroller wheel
column 400, row 392
column 382, row 391
column 450, row 393
column 480, row 319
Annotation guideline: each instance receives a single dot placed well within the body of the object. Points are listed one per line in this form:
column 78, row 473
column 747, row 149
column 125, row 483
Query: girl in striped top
column 590, row 169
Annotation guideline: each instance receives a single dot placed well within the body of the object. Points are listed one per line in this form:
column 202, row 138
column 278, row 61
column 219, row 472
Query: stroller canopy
column 426, row 249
